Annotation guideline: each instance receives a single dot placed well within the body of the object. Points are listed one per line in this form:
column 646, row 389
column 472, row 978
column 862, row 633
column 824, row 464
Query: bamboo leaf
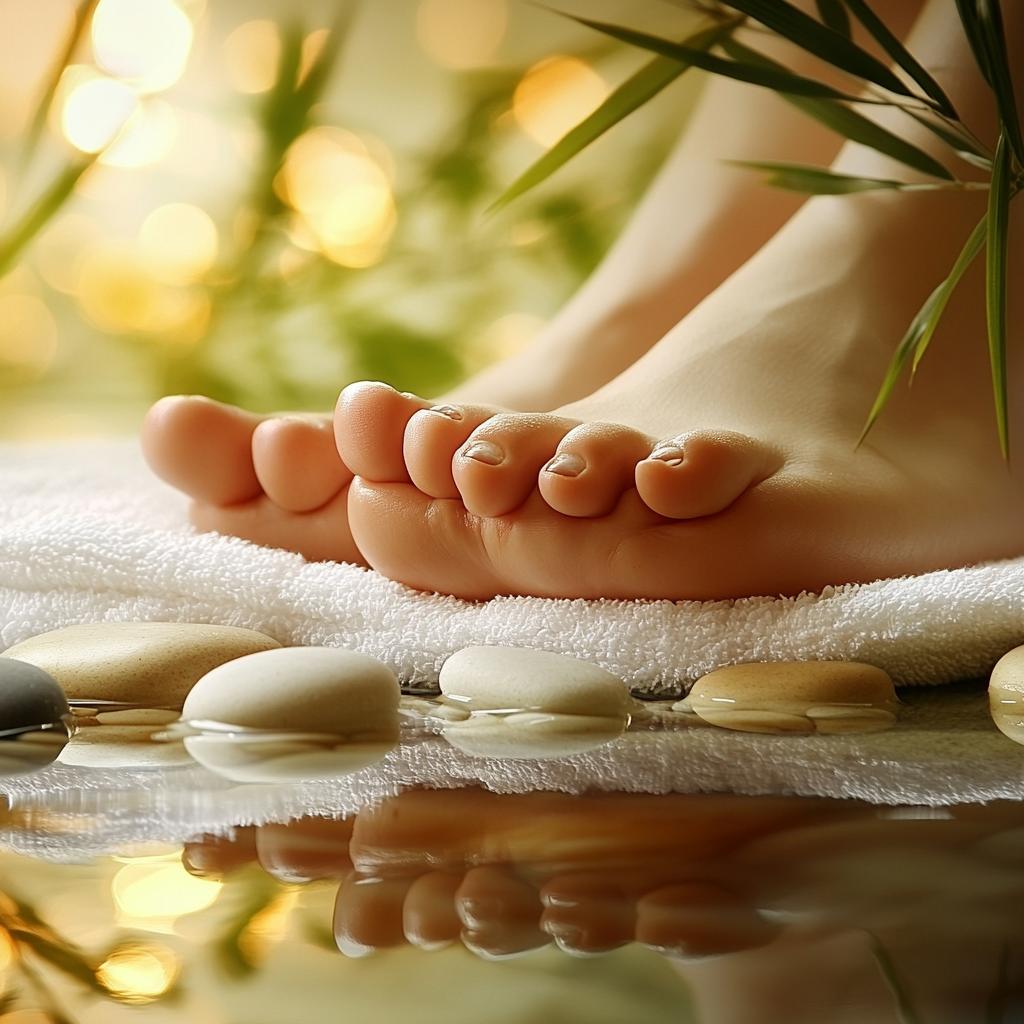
column 990, row 22
column 777, row 78
column 972, row 29
column 905, row 1008
column 816, row 180
column 899, row 53
column 848, row 123
column 833, row 14
column 920, row 332
column 963, row 145
column 824, row 42
column 995, row 284
column 632, row 94
column 36, row 218
column 62, row 956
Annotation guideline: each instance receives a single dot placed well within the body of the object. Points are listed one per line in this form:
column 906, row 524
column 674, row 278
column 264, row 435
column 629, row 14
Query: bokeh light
column 510, row 334
column 178, row 243
column 312, row 47
column 554, row 96
column 146, row 42
column 251, row 56
column 59, row 250
column 161, row 888
column 147, row 138
column 95, row 112
column 462, row 34
column 139, row 974
column 28, row 334
column 117, row 294
column 343, row 195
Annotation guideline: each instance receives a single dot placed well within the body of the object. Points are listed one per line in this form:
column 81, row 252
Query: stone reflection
column 774, row 909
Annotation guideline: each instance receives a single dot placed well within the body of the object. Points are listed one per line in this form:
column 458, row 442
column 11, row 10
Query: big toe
column 703, row 471
column 203, row 448
column 496, row 469
column 592, row 467
column 297, row 462
column 369, row 429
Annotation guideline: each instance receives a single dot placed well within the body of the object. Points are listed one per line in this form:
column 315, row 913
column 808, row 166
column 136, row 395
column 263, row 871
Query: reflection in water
column 774, row 909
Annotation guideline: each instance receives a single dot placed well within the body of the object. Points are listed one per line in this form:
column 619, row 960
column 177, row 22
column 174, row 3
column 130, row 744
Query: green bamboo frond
column 968, row 12
column 833, row 14
column 777, row 78
column 960, row 142
column 901, row 55
column 990, row 24
column 995, row 284
column 817, row 181
column 848, row 123
column 915, row 341
column 839, row 51
column 632, row 94
column 905, row 1009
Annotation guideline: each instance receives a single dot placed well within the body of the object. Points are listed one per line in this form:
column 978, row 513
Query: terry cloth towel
column 88, row 534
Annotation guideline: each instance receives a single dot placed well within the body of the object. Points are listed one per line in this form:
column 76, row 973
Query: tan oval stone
column 154, row 664
column 322, row 690
column 137, row 716
column 1006, row 694
column 755, row 721
column 517, row 678
column 844, row 696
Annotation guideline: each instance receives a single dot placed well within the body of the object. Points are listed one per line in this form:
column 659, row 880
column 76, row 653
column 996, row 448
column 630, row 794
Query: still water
column 465, row 905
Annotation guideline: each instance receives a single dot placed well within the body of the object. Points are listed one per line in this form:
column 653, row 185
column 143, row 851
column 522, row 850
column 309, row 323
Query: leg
column 741, row 424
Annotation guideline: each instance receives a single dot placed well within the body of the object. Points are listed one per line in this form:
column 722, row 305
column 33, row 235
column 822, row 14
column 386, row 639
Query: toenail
column 447, row 410
column 671, row 455
column 485, row 452
column 565, row 465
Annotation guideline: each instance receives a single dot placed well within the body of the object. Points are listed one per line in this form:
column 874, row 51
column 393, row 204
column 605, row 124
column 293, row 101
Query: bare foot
column 723, row 463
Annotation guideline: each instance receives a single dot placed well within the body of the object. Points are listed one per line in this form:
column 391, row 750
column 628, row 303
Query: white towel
column 87, row 534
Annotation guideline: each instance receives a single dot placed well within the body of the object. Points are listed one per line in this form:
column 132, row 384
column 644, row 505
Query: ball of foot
column 796, row 697
column 145, row 664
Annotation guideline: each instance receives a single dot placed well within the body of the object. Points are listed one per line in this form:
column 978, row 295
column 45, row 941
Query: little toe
column 592, row 467
column 432, row 438
column 297, row 462
column 203, row 448
column 496, row 469
column 703, row 472
column 368, row 914
column 369, row 427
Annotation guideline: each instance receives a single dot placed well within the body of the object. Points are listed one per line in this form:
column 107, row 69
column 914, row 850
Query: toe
column 496, row 469
column 297, row 463
column 432, row 438
column 203, row 448
column 368, row 914
column 703, row 472
column 429, row 918
column 592, row 467
column 369, row 427
column 499, row 913
column 305, row 849
column 587, row 915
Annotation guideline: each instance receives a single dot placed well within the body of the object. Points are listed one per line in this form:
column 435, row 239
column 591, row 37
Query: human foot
column 723, row 463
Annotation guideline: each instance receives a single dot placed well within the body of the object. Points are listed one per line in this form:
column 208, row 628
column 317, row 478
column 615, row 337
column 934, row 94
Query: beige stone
column 122, row 746
column 320, row 690
column 532, row 735
column 153, row 664
column 517, row 678
column 137, row 716
column 797, row 697
column 1006, row 694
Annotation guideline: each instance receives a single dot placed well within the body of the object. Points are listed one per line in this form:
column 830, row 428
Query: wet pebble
column 530, row 704
column 293, row 713
column 1006, row 694
column 796, row 697
column 147, row 664
column 34, row 718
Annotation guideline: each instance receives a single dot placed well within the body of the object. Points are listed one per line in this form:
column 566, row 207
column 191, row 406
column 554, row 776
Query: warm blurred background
column 263, row 201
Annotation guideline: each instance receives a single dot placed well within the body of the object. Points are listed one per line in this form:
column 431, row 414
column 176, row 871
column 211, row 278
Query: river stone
column 796, row 697
column 152, row 664
column 520, row 679
column 1006, row 694
column 30, row 699
column 321, row 690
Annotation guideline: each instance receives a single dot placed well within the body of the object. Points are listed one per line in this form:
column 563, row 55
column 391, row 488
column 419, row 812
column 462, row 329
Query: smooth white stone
column 797, row 696
column 323, row 690
column 531, row 735
column 1006, row 694
column 154, row 664
column 516, row 678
